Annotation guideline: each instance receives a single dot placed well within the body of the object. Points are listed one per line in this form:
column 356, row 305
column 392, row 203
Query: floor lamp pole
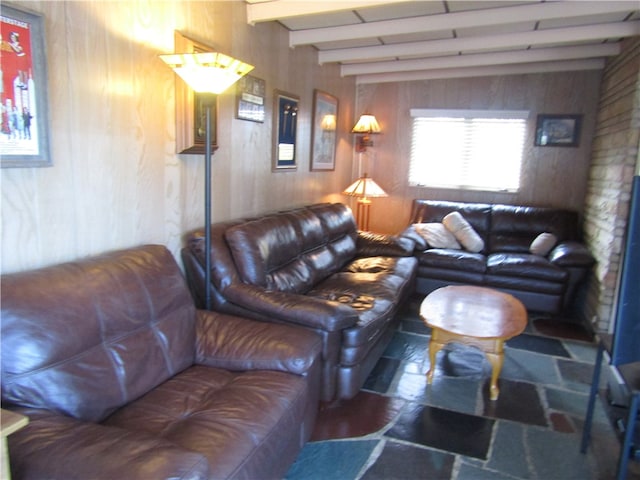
column 207, row 203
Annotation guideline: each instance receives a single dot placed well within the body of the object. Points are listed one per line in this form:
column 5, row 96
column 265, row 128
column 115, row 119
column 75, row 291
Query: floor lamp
column 364, row 188
column 209, row 74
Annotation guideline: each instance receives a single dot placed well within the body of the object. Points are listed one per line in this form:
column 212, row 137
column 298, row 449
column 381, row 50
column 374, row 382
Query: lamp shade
column 367, row 123
column 207, row 72
column 364, row 187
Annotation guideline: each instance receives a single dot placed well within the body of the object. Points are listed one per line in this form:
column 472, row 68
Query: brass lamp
column 366, row 125
column 364, row 188
column 208, row 73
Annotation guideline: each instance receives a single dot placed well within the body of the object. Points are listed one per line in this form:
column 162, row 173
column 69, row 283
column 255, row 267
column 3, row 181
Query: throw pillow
column 436, row 235
column 463, row 231
column 543, row 244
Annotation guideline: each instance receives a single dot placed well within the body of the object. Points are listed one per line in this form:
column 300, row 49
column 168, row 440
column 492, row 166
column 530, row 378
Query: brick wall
column 613, row 164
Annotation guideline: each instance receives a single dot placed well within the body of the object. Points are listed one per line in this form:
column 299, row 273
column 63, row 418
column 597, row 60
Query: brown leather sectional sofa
column 122, row 378
column 544, row 283
column 311, row 267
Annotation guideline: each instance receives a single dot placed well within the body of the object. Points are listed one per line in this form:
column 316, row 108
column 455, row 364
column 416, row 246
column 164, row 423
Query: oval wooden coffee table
column 476, row 316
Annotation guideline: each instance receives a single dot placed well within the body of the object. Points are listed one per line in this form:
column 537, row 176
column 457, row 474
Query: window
column 467, row 149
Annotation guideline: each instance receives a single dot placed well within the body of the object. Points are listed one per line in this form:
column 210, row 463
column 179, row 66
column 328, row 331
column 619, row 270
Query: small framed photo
column 250, row 96
column 323, row 141
column 24, row 109
column 558, row 130
column 285, row 123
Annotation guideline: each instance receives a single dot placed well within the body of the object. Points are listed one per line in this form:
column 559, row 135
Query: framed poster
column 24, row 102
column 191, row 114
column 558, row 130
column 285, row 122
column 250, row 94
column 323, row 135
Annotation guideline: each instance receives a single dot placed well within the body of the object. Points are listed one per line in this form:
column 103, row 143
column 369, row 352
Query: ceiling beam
column 280, row 9
column 482, row 59
column 488, row 71
column 465, row 19
column 489, row 42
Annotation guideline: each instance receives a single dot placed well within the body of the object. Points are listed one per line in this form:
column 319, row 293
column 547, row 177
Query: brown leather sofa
column 311, row 267
column 121, row 377
column 544, row 283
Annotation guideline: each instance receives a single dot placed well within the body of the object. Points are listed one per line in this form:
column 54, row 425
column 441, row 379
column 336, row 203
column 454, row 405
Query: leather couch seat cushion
column 453, row 260
column 369, row 286
column 213, row 412
column 524, row 284
column 528, row 266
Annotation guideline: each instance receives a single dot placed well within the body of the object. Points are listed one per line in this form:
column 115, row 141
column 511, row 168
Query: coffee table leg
column 496, row 360
column 434, row 348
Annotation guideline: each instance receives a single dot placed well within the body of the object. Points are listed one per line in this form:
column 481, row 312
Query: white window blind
column 467, row 149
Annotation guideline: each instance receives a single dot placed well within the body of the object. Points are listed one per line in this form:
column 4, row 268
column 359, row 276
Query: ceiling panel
column 401, row 10
column 320, row 21
column 417, row 37
column 368, row 37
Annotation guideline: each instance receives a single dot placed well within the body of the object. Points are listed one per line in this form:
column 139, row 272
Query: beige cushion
column 543, row 244
column 436, row 235
column 463, row 231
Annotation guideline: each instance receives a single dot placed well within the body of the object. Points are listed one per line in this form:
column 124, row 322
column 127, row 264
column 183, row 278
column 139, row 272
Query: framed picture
column 323, row 135
column 250, row 94
column 285, row 123
column 24, row 104
column 191, row 127
column 558, row 130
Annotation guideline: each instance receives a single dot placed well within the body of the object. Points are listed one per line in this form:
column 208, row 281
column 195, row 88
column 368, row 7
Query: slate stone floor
column 398, row 427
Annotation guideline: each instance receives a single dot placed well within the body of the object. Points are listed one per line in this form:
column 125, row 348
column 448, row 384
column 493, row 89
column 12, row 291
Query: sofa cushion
column 526, row 266
column 513, row 228
column 453, row 260
column 214, row 412
column 437, row 235
column 543, row 244
column 464, row 232
column 86, row 355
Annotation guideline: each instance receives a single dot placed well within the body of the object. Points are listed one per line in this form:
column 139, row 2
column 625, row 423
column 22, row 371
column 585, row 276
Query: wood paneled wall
column 116, row 180
column 551, row 176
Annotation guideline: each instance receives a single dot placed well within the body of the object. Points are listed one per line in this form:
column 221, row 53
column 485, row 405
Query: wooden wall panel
column 116, row 181
column 552, row 176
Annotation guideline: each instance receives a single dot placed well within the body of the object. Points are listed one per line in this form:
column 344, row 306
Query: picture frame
column 324, row 131
column 250, row 97
column 24, row 125
column 190, row 111
column 558, row 130
column 286, row 108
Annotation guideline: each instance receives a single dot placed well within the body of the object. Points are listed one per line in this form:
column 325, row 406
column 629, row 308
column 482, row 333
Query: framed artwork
column 250, row 95
column 323, row 135
column 191, row 127
column 558, row 130
column 24, row 98
column 285, row 122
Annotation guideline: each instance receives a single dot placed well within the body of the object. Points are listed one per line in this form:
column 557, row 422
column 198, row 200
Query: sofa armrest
column 236, row 343
column 317, row 313
column 57, row 446
column 571, row 254
column 410, row 233
column 371, row 244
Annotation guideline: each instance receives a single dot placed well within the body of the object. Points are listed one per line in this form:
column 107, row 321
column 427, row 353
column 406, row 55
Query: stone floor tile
column 444, row 430
column 402, row 462
column 339, row 460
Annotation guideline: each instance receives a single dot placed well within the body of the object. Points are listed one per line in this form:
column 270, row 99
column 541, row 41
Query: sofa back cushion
column 87, row 337
column 477, row 214
column 292, row 251
column 513, row 228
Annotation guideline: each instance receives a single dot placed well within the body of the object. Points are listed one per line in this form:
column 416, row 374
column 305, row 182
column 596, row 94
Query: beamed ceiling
column 394, row 40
